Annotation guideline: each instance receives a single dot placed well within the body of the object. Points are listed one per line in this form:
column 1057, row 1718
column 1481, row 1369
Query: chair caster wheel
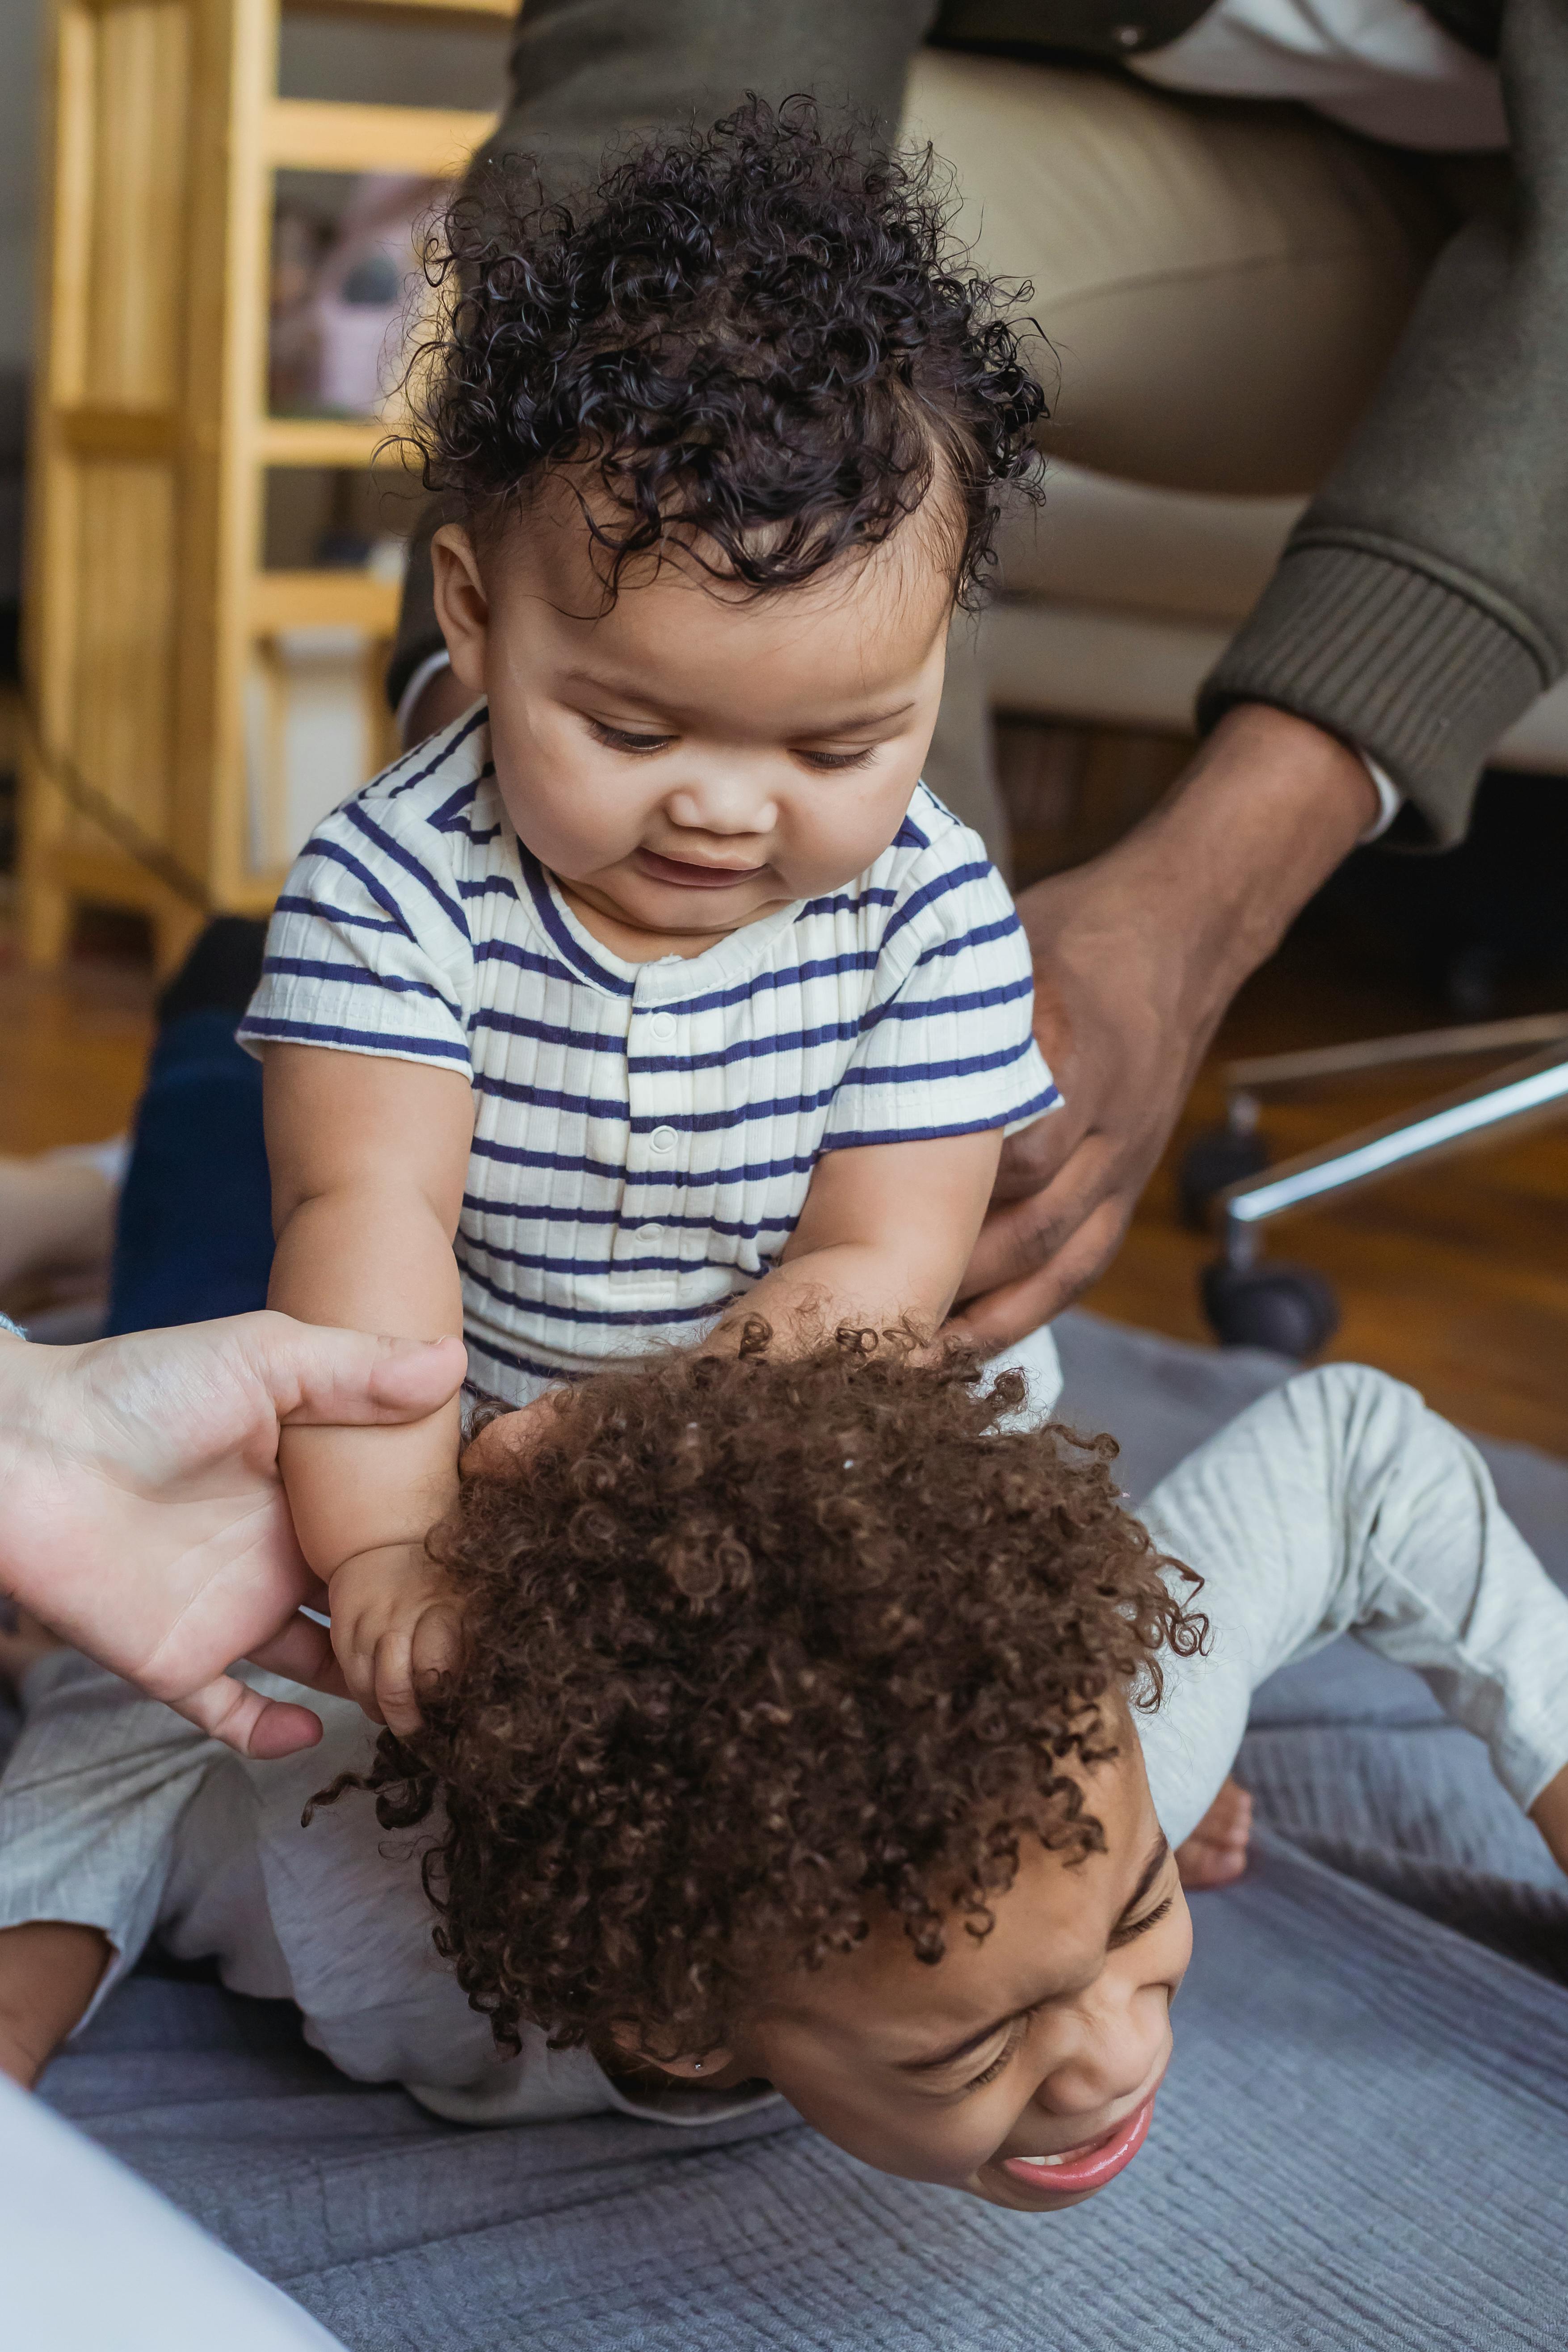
column 1219, row 1157
column 1288, row 1309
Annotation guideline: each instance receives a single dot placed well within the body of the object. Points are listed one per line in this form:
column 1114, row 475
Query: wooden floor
column 1455, row 1279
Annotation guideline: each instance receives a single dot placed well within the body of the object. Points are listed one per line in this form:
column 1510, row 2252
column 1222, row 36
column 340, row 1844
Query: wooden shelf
column 487, row 11
column 150, row 434
column 306, row 134
column 318, row 600
column 330, row 441
column 182, row 728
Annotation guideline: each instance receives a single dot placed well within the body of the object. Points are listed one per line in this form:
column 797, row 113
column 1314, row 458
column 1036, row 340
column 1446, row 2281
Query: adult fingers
column 1038, row 1153
column 302, row 1652
column 1001, row 1317
column 246, row 1722
column 1019, row 1237
column 317, row 1374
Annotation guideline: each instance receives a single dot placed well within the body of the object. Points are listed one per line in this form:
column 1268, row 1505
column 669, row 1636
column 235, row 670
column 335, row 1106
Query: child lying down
column 824, row 1729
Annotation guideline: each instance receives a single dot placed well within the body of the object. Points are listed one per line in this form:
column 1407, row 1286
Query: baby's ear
column 462, row 605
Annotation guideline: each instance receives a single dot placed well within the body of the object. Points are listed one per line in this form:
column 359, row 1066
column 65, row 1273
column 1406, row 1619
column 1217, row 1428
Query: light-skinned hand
column 142, row 1518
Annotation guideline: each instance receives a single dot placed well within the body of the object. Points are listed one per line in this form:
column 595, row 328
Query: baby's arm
column 884, row 1235
column 368, row 1157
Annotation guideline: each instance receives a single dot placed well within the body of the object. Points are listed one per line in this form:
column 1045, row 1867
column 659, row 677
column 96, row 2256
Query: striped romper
column 644, row 1133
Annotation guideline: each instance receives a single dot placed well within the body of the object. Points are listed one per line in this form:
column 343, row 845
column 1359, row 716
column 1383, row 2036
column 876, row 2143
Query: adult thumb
column 317, row 1374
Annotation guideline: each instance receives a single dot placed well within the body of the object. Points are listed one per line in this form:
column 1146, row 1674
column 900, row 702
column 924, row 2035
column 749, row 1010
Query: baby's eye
column 991, row 2073
column 1002, row 2057
column 825, row 761
column 621, row 738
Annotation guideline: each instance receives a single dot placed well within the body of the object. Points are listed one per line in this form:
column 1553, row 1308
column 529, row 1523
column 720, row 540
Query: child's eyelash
column 1134, row 1927
column 833, row 759
column 1141, row 1927
column 620, row 739
column 1015, row 2035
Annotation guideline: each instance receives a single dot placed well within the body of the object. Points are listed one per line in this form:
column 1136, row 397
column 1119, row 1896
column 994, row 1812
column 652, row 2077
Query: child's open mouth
column 1090, row 2166
column 694, row 878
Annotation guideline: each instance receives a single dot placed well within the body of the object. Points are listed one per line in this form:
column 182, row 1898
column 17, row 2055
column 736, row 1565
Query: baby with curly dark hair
column 657, row 988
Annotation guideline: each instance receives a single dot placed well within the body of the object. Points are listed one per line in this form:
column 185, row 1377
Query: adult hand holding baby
column 144, row 1520
column 1136, row 956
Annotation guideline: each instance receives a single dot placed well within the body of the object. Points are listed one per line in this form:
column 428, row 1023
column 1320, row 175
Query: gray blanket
column 1363, row 2141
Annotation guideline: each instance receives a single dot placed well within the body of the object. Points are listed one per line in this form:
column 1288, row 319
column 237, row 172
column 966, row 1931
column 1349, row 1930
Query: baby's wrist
column 384, row 1558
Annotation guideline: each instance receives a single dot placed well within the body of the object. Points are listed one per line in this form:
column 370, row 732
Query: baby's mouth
column 1090, row 2166
column 685, row 875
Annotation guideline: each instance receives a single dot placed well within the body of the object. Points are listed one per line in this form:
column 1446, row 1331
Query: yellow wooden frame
column 145, row 596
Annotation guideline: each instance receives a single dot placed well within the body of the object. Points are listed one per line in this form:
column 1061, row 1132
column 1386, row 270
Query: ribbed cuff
column 1410, row 670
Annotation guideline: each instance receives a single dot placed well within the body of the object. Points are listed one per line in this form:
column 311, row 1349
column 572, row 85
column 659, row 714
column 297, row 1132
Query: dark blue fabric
column 195, row 1237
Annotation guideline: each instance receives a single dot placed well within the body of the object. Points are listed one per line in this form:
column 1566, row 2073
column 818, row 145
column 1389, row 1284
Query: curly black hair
column 754, row 1649
column 755, row 341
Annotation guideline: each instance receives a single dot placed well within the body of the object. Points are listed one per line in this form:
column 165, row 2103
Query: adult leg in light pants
column 1220, row 284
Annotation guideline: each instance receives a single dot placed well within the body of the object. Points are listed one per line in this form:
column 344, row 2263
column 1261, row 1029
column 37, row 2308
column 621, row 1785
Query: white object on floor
column 91, row 2258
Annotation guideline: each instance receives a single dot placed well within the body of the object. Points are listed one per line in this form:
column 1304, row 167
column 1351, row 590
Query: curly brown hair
column 754, row 1647
column 756, row 339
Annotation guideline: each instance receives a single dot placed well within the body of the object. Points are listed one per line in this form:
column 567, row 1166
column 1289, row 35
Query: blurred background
column 209, row 234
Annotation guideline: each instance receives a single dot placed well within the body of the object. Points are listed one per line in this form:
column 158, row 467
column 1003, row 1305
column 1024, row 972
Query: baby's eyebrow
column 865, row 718
column 1159, row 1854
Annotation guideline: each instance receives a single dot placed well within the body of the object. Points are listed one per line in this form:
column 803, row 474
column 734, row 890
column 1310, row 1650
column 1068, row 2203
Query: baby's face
column 1022, row 2067
column 688, row 759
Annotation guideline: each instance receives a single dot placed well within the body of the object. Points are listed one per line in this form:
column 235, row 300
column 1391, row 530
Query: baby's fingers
column 409, row 1661
column 437, row 1644
column 361, row 1666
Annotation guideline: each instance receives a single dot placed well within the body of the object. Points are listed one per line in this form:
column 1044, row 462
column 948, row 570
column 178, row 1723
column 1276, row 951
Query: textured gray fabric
column 1362, row 2143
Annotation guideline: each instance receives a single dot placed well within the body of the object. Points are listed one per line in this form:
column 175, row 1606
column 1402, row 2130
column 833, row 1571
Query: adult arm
column 1422, row 602
column 142, row 1513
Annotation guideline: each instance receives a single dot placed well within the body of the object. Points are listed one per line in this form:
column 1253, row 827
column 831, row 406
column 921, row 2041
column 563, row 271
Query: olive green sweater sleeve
column 1421, row 604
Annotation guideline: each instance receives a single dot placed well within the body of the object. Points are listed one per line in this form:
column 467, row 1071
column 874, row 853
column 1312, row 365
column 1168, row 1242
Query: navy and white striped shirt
column 644, row 1133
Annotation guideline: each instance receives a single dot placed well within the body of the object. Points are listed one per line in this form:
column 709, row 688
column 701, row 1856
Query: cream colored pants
column 1219, row 285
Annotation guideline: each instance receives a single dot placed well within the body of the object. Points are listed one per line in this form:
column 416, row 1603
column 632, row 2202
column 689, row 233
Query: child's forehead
column 561, row 540
column 1047, row 1933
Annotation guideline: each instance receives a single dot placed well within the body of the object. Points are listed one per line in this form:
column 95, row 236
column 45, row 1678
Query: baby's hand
column 394, row 1624
column 511, row 1438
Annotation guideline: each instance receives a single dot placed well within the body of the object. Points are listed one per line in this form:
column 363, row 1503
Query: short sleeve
column 946, row 1046
column 368, row 951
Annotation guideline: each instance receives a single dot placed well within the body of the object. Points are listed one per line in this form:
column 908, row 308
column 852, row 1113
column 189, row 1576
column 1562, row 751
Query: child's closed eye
column 624, row 738
column 828, row 760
